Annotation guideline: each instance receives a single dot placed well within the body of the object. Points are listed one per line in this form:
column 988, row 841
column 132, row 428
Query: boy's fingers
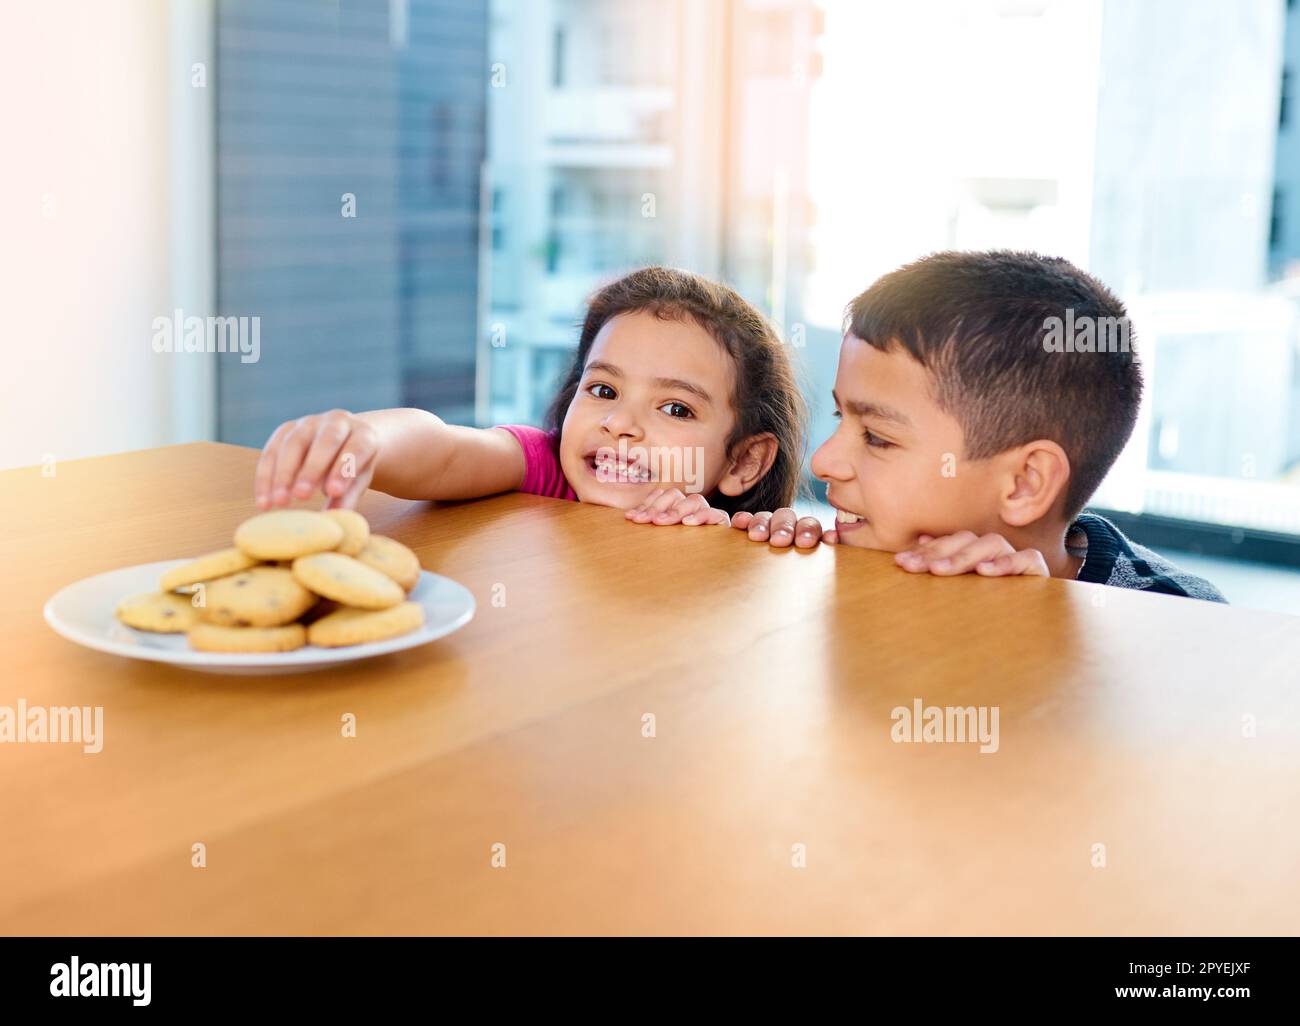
column 807, row 532
column 831, row 537
column 964, row 560
column 1028, row 562
column 922, row 558
column 781, row 528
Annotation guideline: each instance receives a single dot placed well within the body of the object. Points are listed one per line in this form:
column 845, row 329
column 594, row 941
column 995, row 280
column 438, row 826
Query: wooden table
column 771, row 677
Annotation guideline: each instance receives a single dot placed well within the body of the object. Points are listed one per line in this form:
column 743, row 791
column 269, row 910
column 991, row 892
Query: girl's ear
column 751, row 458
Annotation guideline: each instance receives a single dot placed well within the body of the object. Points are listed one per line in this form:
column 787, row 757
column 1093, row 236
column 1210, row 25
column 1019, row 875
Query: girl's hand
column 784, row 528
column 334, row 452
column 960, row 553
column 666, row 506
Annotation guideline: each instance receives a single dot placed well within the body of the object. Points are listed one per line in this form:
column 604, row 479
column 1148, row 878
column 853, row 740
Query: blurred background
column 415, row 198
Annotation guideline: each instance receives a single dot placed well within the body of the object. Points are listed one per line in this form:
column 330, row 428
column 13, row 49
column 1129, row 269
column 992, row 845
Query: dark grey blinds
column 383, row 102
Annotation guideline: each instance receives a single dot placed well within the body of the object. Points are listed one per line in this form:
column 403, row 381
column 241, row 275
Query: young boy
column 972, row 433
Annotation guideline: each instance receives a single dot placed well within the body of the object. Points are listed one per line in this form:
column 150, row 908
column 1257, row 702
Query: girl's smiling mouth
column 609, row 469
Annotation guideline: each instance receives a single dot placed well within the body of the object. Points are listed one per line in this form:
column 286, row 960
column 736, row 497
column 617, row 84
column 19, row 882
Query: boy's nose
column 826, row 462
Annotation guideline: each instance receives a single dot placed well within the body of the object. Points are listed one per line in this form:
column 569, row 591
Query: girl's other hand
column 331, row 452
column 784, row 528
column 666, row 506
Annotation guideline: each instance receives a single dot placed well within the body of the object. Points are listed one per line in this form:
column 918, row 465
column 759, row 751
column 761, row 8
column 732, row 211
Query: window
column 349, row 143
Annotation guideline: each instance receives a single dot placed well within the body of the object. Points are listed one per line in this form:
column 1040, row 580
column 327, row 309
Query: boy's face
column 895, row 459
column 652, row 410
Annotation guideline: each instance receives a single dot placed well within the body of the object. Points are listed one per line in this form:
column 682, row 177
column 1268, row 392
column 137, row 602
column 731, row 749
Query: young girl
column 680, row 407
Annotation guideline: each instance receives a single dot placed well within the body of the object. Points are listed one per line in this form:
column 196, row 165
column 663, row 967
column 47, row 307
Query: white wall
column 104, row 231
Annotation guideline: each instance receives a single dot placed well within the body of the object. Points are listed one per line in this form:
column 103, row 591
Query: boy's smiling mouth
column 845, row 520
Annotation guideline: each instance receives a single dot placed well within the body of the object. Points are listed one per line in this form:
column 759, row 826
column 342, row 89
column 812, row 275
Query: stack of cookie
column 294, row 577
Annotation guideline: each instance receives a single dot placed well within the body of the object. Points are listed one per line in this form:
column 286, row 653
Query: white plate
column 83, row 612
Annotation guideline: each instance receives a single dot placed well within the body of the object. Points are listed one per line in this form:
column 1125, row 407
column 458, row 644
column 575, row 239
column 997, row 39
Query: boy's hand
column 784, row 528
column 334, row 452
column 960, row 553
column 666, row 506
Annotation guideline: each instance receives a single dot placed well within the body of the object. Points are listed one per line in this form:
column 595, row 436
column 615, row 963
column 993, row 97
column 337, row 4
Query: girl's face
column 653, row 410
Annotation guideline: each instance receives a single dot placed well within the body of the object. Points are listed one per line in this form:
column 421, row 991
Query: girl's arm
column 422, row 457
column 411, row 454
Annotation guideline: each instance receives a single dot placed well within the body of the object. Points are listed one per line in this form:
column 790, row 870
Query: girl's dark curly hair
column 767, row 396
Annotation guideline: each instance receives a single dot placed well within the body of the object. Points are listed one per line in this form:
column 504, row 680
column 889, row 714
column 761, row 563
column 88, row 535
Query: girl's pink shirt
column 542, row 473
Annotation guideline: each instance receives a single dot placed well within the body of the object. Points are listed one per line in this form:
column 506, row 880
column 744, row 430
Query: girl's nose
column 621, row 423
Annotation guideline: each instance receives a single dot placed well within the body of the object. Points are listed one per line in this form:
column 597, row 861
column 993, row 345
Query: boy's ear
column 751, row 458
column 1035, row 477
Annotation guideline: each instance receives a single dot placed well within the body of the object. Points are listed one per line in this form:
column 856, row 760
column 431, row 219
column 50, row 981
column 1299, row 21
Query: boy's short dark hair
column 981, row 324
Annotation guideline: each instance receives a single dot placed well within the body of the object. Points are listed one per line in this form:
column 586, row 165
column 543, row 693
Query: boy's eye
column 677, row 410
column 608, row 393
column 873, row 440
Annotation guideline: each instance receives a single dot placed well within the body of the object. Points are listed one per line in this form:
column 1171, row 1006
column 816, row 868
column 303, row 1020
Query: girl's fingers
column 693, row 509
column 359, row 453
column 289, row 458
column 266, row 465
column 782, row 528
column 758, row 526
column 640, row 512
column 700, row 512
column 807, row 532
column 654, row 505
column 331, row 433
column 356, row 488
column 673, row 505
column 742, row 520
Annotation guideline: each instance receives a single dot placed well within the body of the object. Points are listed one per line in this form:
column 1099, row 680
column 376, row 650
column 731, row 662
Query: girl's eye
column 677, row 410
column 595, row 390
